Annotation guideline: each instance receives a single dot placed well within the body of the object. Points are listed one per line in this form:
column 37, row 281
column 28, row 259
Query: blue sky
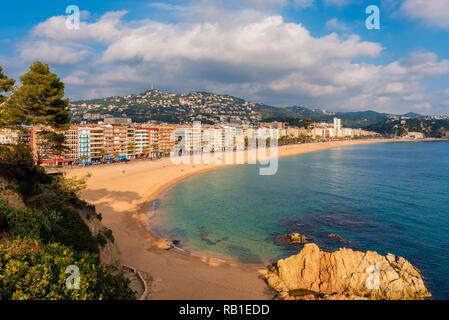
column 316, row 53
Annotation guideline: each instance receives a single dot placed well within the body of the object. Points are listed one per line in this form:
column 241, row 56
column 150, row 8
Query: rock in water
column 336, row 236
column 346, row 274
column 296, row 238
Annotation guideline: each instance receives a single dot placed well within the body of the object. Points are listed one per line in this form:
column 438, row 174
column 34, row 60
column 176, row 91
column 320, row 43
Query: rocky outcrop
column 335, row 236
column 345, row 274
column 109, row 252
column 296, row 238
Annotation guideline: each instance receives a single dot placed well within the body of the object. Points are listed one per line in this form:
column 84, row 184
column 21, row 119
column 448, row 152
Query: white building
column 196, row 137
column 337, row 128
column 142, row 141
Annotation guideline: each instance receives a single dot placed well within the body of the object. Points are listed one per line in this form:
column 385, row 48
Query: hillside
column 174, row 108
column 359, row 119
column 44, row 228
column 211, row 108
column 430, row 128
column 397, row 128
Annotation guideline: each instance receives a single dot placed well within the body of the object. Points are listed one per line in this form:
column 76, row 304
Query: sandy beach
column 122, row 193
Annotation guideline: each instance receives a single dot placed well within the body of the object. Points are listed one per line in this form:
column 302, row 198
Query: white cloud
column 335, row 24
column 415, row 97
column 248, row 53
column 105, row 30
column 433, row 12
column 51, row 52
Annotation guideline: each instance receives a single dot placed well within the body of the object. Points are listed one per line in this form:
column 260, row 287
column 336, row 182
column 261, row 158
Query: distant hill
column 413, row 115
column 349, row 119
column 211, row 108
column 357, row 119
column 434, row 128
column 174, row 108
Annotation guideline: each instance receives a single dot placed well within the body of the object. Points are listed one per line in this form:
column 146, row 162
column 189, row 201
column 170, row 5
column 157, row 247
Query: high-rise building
column 166, row 139
column 142, row 141
column 71, row 154
column 153, row 142
column 84, row 144
column 337, row 127
column 130, row 142
column 97, row 150
column 196, row 137
column 115, row 141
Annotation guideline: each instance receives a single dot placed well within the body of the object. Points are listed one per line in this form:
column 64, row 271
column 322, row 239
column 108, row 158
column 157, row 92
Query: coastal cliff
column 345, row 275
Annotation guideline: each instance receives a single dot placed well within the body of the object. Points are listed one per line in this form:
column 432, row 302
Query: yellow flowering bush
column 30, row 270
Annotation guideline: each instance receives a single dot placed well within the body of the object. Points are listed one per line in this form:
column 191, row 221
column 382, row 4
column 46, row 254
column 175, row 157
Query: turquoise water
column 389, row 197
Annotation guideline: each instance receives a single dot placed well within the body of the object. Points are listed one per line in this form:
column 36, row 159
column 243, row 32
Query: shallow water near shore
column 387, row 197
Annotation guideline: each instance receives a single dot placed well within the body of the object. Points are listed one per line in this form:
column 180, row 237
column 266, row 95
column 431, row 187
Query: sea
column 385, row 197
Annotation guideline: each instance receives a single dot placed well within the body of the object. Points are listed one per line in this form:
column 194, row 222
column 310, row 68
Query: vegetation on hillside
column 430, row 128
column 30, row 270
column 50, row 233
column 359, row 119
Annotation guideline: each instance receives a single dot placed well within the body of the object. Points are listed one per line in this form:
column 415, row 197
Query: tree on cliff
column 6, row 85
column 39, row 100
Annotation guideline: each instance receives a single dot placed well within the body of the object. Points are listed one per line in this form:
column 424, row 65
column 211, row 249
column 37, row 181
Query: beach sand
column 122, row 193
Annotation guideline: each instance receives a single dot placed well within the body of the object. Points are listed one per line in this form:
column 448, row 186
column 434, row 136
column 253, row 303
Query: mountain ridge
column 211, row 108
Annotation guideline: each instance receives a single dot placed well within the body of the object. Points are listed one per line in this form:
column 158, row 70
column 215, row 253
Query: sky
column 313, row 53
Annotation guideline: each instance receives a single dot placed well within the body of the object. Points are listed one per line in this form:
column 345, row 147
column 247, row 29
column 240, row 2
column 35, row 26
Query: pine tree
column 6, row 85
column 39, row 100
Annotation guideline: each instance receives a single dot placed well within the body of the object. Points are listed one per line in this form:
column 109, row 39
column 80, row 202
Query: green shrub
column 30, row 270
column 72, row 231
column 17, row 164
column 66, row 227
column 23, row 222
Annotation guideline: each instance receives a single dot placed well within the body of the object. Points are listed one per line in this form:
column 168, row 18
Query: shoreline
column 123, row 194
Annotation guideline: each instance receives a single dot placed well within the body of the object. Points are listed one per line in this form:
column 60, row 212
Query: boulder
column 296, row 238
column 336, row 236
column 346, row 275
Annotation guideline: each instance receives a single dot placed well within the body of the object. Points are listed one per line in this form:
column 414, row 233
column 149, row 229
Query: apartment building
column 337, row 127
column 84, row 144
column 120, row 142
column 130, row 143
column 228, row 138
column 166, row 139
column 97, row 150
column 196, row 137
column 142, row 141
column 115, row 141
column 71, row 144
column 153, row 142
